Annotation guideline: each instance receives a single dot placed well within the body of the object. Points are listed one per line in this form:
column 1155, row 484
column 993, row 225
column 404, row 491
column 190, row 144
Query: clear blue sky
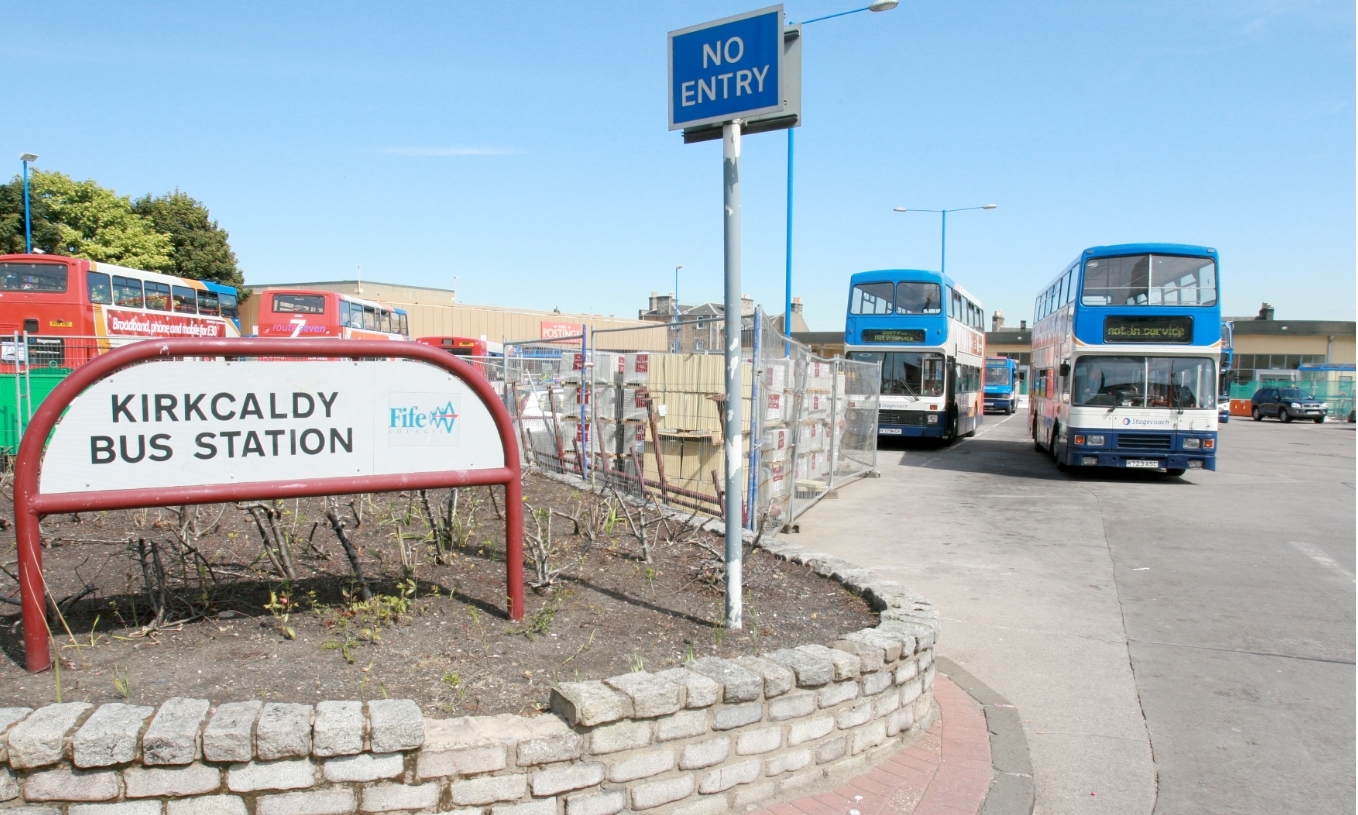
column 522, row 147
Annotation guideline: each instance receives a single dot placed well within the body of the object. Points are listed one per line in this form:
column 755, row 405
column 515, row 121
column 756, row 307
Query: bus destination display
column 1148, row 329
column 893, row 335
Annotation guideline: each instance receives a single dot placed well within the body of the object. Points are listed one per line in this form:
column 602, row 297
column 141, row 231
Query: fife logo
column 422, row 418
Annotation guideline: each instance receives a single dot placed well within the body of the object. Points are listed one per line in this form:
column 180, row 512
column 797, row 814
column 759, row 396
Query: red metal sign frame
column 30, row 504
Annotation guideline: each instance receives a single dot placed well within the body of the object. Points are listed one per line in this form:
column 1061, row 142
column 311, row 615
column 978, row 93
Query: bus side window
column 405, row 325
column 956, row 304
column 344, row 314
column 228, row 303
column 127, row 292
column 369, row 318
column 157, row 296
column 96, row 283
column 183, row 300
column 207, row 303
column 386, row 321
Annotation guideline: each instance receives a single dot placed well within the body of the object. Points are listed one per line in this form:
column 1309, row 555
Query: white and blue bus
column 1000, row 383
column 928, row 334
column 1126, row 343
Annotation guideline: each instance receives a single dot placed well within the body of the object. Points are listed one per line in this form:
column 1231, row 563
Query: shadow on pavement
column 1015, row 458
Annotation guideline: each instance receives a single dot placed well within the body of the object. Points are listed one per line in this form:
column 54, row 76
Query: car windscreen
column 1296, row 395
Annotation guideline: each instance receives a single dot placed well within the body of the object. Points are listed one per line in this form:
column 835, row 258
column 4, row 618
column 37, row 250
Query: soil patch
column 233, row 627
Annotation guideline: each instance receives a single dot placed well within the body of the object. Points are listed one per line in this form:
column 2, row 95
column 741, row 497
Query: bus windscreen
column 997, row 375
column 906, row 373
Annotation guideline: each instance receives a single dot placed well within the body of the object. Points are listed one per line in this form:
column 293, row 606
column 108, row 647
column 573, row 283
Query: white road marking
column 1314, row 553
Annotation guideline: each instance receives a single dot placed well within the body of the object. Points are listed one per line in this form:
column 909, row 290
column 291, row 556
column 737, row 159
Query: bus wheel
column 1175, row 472
column 1037, row 442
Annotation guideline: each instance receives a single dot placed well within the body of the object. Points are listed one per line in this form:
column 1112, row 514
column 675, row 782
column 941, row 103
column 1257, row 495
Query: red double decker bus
column 307, row 313
column 72, row 308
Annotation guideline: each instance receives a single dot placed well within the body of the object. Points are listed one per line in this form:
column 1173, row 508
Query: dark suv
column 1287, row 404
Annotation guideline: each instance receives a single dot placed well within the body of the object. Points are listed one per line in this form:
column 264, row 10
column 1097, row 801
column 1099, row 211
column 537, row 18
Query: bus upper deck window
column 127, row 292
column 184, row 300
column 228, row 302
column 157, row 296
column 207, row 303
column 872, row 298
column 299, row 304
column 99, row 289
column 917, row 298
column 43, row 277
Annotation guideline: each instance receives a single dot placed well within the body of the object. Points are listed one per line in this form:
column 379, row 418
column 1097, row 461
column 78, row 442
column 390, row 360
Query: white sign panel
column 189, row 423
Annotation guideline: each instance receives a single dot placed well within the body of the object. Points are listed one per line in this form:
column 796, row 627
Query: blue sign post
column 727, row 69
column 725, row 72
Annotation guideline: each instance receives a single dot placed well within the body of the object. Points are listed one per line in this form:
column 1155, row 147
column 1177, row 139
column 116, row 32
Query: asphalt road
column 1173, row 645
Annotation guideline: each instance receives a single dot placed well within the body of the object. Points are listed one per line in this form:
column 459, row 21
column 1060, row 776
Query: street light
column 943, row 244
column 875, row 5
column 28, row 219
column 676, row 308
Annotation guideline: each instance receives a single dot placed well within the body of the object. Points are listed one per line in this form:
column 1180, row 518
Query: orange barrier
column 1241, row 407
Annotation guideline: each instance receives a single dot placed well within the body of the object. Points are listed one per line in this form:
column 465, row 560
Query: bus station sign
column 727, row 69
column 193, row 421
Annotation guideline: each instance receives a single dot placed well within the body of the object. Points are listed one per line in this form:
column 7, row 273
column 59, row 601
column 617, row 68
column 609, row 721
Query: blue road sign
column 727, row 69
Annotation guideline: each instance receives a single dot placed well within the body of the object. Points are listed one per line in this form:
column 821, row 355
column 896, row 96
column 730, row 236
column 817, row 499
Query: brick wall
column 710, row 737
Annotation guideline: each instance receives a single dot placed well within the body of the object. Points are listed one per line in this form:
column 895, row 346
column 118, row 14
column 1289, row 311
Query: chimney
column 1023, row 325
column 652, row 308
column 997, row 321
column 746, row 305
column 796, row 305
column 1265, row 312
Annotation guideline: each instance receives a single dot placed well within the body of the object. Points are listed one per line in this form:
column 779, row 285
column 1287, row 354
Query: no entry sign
column 726, row 69
column 192, row 421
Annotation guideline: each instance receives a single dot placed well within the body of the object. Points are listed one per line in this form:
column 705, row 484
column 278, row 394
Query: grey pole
column 731, row 198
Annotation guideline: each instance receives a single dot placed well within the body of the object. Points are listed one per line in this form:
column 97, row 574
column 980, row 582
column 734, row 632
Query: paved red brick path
column 947, row 771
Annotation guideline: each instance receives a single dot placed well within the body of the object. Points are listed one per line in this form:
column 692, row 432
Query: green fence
column 20, row 395
column 1335, row 388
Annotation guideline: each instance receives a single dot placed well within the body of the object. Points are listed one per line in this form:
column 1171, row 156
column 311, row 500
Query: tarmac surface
column 1173, row 645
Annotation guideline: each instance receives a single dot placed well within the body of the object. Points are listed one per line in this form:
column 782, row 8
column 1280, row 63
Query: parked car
column 1223, row 410
column 1287, row 404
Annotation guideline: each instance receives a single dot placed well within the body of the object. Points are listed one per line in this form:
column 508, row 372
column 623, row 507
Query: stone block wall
column 711, row 737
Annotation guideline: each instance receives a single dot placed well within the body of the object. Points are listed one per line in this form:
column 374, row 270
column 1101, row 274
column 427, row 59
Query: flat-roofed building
column 437, row 313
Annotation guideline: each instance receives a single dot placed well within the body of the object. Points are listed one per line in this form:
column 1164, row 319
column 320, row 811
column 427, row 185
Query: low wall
column 711, row 737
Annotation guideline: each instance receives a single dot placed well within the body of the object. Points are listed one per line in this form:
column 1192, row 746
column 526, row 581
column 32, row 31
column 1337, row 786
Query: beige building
column 436, row 313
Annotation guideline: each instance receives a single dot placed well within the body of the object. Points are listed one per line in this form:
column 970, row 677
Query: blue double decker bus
column 1000, row 373
column 1126, row 343
column 928, row 335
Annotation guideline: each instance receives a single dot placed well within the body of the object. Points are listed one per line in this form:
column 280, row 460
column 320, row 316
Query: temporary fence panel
column 638, row 419
column 1334, row 388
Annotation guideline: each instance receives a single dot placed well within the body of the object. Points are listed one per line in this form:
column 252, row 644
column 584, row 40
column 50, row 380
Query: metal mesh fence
column 1334, row 388
column 639, row 420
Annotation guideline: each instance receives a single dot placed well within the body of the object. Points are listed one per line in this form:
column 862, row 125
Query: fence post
column 834, row 416
column 756, row 370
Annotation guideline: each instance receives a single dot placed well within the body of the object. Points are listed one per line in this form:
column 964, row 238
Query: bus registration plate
column 888, row 431
column 1143, row 462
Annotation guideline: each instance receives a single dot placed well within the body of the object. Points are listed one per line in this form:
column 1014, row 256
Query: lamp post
column 876, row 5
column 28, row 218
column 943, row 243
column 676, row 308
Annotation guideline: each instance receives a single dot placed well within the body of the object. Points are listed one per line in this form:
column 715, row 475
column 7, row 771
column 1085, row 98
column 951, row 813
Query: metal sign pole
column 734, row 323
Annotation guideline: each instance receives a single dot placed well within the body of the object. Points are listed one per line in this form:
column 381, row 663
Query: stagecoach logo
column 422, row 418
column 1135, row 422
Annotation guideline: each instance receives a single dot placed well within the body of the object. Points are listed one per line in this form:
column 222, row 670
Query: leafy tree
column 200, row 246
column 45, row 233
column 98, row 224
